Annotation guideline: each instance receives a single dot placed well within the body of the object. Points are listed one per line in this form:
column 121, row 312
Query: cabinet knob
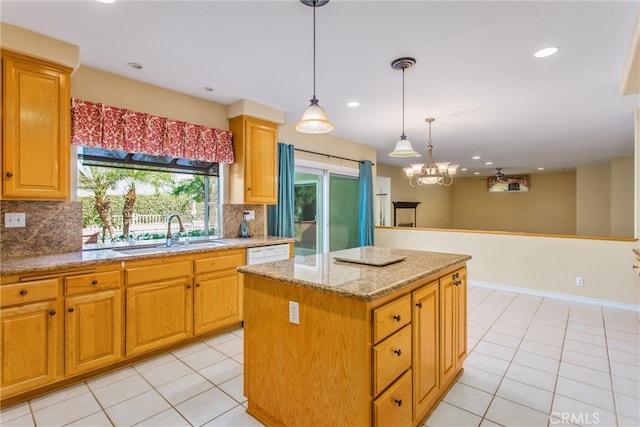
column 635, row 266
column 397, row 351
column 455, row 276
column 23, row 292
column 71, row 310
column 398, row 402
column 188, row 286
column 9, row 174
column 249, row 189
column 52, row 313
column 197, row 285
column 397, row 317
column 94, row 282
column 419, row 304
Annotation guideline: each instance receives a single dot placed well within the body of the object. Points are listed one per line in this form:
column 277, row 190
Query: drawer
column 92, row 282
column 221, row 261
column 156, row 272
column 391, row 317
column 391, row 358
column 22, row 293
column 394, row 406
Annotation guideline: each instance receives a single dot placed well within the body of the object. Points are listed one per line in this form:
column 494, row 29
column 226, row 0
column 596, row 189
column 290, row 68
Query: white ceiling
column 475, row 70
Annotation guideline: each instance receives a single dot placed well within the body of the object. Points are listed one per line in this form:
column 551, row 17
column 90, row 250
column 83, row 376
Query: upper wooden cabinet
column 35, row 129
column 253, row 176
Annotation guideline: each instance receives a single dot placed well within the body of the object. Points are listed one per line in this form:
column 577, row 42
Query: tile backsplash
column 232, row 218
column 51, row 228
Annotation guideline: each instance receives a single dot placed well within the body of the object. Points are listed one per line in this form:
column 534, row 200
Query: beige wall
column 545, row 264
column 327, row 144
column 434, row 210
column 99, row 86
column 593, row 185
column 622, row 196
column 548, row 207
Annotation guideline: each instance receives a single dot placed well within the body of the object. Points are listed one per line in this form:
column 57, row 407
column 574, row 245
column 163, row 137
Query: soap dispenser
column 244, row 226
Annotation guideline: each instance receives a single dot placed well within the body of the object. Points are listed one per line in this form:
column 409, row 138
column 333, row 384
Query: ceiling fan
column 499, row 176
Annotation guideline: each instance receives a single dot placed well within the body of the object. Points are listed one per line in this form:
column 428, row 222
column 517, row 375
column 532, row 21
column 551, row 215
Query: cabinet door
column 425, row 348
column 158, row 314
column 261, row 163
column 28, row 336
column 460, row 295
column 448, row 323
column 217, row 301
column 36, row 138
column 93, row 331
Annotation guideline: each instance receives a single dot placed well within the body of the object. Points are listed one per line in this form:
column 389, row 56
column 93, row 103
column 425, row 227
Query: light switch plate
column 294, row 313
column 12, row 220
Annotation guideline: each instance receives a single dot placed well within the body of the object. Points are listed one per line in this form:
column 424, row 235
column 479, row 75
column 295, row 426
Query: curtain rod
column 330, row 155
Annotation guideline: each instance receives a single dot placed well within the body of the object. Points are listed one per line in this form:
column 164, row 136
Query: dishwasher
column 262, row 254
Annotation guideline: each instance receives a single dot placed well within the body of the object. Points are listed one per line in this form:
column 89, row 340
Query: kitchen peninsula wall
column 51, row 228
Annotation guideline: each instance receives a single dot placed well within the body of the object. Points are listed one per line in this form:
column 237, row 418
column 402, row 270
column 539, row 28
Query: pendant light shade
column 403, row 147
column 314, row 119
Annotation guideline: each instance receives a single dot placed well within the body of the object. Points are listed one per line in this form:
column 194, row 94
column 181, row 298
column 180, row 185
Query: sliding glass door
column 326, row 210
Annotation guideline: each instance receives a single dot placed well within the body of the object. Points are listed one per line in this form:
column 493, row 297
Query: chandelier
column 430, row 173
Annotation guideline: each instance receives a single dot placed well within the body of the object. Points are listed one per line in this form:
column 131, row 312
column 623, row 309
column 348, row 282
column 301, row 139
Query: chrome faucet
column 170, row 238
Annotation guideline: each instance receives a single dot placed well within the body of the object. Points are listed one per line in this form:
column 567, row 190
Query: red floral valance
column 112, row 128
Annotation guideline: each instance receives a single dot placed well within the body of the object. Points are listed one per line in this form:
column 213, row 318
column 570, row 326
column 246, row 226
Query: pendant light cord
column 403, row 135
column 314, row 48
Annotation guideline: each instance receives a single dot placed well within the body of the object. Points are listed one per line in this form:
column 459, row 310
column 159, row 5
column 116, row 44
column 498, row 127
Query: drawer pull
column 398, row 352
column 23, row 292
column 52, row 313
column 398, row 402
column 188, row 286
column 94, row 282
column 71, row 310
column 197, row 285
column 455, row 276
column 397, row 317
column 9, row 174
column 419, row 304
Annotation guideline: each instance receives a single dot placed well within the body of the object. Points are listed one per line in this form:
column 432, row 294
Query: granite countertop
column 355, row 280
column 103, row 256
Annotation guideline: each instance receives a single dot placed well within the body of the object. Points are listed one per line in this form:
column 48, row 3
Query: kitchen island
column 363, row 336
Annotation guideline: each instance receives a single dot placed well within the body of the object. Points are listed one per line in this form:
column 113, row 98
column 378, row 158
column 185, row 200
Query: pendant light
column 314, row 119
column 403, row 146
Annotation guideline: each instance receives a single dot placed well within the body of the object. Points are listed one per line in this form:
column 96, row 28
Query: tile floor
column 532, row 362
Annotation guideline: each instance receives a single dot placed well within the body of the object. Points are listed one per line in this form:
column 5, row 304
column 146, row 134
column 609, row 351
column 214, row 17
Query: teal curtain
column 366, row 204
column 281, row 215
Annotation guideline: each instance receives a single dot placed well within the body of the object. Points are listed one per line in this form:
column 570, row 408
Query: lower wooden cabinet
column 158, row 314
column 93, row 325
column 426, row 372
column 29, row 335
column 216, row 301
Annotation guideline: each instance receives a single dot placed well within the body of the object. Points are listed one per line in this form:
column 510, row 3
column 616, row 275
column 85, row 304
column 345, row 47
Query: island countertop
column 356, row 280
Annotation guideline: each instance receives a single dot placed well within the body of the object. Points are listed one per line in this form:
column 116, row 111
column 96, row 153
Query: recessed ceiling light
column 488, row 163
column 464, row 169
column 353, row 104
column 207, row 88
column 540, row 169
column 476, row 157
column 134, row 65
column 546, row 51
column 476, row 173
column 106, row 1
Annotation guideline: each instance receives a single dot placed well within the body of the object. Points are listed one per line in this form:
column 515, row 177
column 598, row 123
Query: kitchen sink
column 199, row 244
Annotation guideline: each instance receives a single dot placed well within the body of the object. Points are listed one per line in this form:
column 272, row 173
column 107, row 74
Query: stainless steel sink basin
column 199, row 244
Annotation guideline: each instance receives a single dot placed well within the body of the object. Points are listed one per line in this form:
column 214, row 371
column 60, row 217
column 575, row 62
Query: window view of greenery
column 129, row 197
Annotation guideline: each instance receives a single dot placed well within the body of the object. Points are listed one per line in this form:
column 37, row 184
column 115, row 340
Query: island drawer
column 391, row 358
column 394, row 406
column 391, row 317
column 92, row 282
column 22, row 293
column 219, row 261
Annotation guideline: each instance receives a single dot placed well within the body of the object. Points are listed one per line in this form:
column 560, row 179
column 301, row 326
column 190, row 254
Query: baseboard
column 556, row 295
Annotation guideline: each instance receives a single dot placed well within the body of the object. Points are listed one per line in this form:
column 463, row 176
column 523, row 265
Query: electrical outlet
column 580, row 281
column 294, row 313
column 14, row 220
column 249, row 215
